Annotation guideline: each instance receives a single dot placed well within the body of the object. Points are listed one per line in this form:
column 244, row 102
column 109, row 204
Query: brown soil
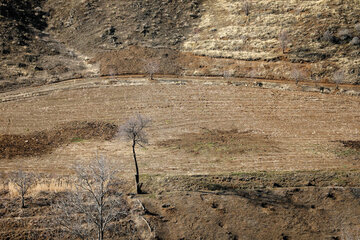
column 295, row 213
column 243, row 178
column 292, row 205
column 181, row 110
column 43, row 142
column 37, row 220
column 255, row 137
column 220, row 142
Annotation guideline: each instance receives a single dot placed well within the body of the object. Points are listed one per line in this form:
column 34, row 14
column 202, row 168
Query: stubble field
column 198, row 127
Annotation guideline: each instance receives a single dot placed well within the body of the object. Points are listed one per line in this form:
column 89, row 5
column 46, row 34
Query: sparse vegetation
column 254, row 144
column 96, row 202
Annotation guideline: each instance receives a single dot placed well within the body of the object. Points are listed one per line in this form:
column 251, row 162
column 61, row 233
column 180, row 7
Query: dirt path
column 168, row 79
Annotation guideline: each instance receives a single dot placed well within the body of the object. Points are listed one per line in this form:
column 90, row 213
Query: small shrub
column 357, row 27
column 355, row 41
column 344, row 34
column 327, row 36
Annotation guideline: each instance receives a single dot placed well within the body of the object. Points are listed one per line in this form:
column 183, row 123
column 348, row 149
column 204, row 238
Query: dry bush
column 355, row 41
column 344, row 34
column 327, row 36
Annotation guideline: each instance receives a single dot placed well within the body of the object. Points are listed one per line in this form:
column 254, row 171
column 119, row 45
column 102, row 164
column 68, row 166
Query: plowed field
column 198, row 127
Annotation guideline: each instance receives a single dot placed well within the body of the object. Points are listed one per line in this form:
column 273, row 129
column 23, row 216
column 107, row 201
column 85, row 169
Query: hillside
column 254, row 110
column 48, row 41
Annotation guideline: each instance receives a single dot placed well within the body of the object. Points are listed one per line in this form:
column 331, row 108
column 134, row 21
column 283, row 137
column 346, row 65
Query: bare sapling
column 339, row 77
column 134, row 130
column 88, row 211
column 246, row 7
column 297, row 75
column 284, row 40
column 151, row 67
column 227, row 74
column 22, row 182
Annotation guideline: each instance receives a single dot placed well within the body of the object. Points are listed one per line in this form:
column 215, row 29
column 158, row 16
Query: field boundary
column 125, row 80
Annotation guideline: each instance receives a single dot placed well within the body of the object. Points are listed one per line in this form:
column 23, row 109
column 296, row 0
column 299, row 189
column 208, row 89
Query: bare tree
column 244, row 39
column 284, row 40
column 228, row 74
column 316, row 79
column 23, row 181
column 246, row 7
column 338, row 77
column 94, row 204
column 134, row 130
column 151, row 67
column 297, row 75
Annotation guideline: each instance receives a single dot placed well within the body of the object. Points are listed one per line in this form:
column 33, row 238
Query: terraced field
column 198, row 126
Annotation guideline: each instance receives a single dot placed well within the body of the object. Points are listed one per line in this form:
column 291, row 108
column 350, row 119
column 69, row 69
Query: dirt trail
column 123, row 80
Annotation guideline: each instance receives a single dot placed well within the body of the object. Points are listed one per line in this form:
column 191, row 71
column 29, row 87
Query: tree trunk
column 101, row 235
column 22, row 201
column 137, row 176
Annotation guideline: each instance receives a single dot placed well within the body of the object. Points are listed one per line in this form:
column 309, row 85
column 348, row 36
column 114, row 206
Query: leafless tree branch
column 94, row 204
